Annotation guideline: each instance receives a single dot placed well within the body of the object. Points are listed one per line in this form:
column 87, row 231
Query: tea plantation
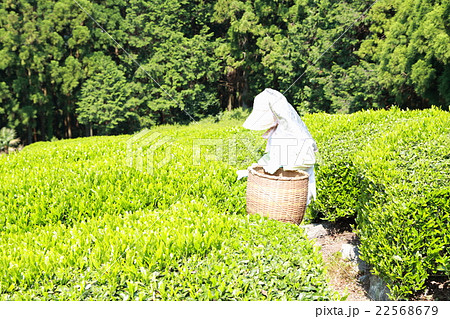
column 79, row 220
column 92, row 219
column 390, row 170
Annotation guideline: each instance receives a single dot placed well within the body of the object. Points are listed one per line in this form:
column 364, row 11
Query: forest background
column 62, row 76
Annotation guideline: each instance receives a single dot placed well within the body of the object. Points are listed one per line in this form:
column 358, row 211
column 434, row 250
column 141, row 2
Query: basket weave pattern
column 281, row 196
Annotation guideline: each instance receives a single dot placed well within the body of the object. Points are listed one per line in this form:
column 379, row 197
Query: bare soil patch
column 342, row 274
column 437, row 289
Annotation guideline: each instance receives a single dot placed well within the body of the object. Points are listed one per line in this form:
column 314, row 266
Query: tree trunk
column 232, row 88
column 230, row 101
column 43, row 125
column 35, row 137
column 68, row 119
column 244, row 93
column 65, row 133
column 68, row 126
column 89, row 130
column 237, row 88
column 29, row 135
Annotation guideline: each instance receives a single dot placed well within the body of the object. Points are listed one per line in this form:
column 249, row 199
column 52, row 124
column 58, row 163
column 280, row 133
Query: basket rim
column 303, row 175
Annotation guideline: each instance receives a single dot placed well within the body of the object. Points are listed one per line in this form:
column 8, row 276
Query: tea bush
column 81, row 220
column 390, row 170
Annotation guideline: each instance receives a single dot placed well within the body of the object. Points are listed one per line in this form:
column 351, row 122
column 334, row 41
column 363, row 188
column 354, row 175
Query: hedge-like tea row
column 81, row 220
column 77, row 222
column 390, row 170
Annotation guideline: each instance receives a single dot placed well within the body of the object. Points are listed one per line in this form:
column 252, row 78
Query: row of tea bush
column 390, row 170
column 117, row 218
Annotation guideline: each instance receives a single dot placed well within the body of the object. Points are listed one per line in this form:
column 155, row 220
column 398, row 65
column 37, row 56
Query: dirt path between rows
column 342, row 274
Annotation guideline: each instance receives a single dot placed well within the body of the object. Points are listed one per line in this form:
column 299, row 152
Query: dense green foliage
column 201, row 57
column 80, row 221
column 104, row 103
column 390, row 170
column 410, row 44
column 7, row 138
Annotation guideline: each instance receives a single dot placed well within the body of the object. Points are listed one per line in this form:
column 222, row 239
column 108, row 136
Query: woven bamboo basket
column 281, row 196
